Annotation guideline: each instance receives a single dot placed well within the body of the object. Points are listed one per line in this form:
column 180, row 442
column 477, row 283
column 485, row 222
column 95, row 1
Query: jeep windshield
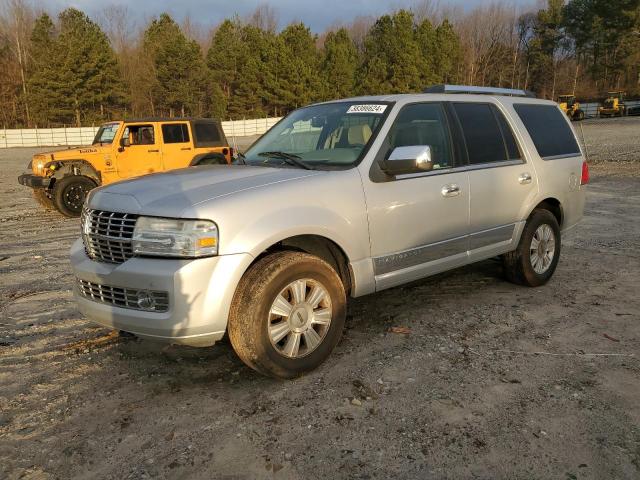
column 326, row 136
column 106, row 133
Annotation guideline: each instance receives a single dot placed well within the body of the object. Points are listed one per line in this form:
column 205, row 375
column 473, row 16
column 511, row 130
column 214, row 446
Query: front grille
column 146, row 300
column 107, row 235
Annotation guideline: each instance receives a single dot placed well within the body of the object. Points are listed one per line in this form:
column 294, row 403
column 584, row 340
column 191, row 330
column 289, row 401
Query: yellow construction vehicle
column 570, row 106
column 613, row 106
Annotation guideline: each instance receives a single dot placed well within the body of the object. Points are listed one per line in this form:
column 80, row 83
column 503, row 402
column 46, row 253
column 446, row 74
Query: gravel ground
column 460, row 396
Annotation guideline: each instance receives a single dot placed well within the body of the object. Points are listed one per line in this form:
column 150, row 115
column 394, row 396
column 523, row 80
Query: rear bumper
column 199, row 292
column 34, row 181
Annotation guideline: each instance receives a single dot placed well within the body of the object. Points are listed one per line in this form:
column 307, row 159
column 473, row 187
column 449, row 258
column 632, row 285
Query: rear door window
column 549, row 130
column 486, row 133
column 175, row 133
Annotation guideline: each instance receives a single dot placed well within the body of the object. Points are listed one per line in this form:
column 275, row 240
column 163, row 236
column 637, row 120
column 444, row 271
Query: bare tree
column 264, row 17
column 117, row 23
column 17, row 21
column 359, row 28
column 196, row 31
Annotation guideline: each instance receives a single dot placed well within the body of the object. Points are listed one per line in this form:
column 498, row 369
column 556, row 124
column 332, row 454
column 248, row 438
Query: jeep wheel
column 40, row 196
column 534, row 261
column 213, row 159
column 287, row 314
column 69, row 194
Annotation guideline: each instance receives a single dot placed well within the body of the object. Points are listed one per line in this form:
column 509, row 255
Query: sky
column 317, row 14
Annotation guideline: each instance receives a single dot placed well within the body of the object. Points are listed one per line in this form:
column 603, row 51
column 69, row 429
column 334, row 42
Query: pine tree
column 298, row 72
column 391, row 56
column 40, row 73
column 447, row 54
column 75, row 74
column 426, row 38
column 180, row 83
column 339, row 65
column 225, row 56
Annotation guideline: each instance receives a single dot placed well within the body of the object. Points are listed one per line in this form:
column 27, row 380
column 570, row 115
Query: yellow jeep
column 122, row 150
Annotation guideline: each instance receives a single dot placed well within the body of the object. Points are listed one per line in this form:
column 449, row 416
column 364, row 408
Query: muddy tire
column 213, row 159
column 532, row 264
column 40, row 196
column 69, row 194
column 287, row 314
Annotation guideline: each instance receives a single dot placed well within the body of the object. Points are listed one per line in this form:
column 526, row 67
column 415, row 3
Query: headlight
column 169, row 237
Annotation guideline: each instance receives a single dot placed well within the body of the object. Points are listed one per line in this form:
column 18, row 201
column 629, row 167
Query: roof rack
column 478, row 90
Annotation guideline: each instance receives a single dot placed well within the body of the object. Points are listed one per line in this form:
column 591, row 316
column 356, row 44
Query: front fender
column 74, row 167
column 330, row 204
column 258, row 236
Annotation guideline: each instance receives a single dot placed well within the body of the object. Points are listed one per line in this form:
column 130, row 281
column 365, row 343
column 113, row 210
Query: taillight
column 585, row 174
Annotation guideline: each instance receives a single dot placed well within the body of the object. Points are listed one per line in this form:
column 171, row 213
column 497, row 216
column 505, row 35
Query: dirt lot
column 461, row 396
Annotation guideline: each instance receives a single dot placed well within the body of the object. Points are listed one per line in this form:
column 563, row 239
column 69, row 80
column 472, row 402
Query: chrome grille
column 146, row 300
column 107, row 235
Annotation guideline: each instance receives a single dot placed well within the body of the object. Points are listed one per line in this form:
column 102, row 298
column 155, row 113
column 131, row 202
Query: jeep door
column 501, row 183
column 419, row 221
column 177, row 149
column 140, row 152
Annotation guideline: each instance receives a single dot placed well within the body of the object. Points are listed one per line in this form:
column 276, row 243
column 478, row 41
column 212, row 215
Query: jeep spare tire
column 69, row 194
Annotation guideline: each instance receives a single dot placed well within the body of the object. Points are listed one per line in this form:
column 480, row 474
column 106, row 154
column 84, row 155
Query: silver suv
column 339, row 199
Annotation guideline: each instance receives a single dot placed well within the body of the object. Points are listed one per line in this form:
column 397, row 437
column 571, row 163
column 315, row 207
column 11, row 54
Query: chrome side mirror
column 411, row 159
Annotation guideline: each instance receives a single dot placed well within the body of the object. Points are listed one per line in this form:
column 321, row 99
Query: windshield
column 106, row 133
column 331, row 135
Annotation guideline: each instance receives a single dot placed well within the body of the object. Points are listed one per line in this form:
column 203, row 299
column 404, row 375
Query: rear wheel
column 213, row 159
column 40, row 196
column 287, row 314
column 534, row 261
column 69, row 194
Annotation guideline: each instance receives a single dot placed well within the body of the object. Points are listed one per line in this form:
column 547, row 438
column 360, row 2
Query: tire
column 215, row 159
column 261, row 290
column 69, row 194
column 579, row 116
column 520, row 266
column 40, row 196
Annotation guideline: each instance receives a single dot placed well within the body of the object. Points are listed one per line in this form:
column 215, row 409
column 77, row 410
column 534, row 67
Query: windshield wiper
column 289, row 158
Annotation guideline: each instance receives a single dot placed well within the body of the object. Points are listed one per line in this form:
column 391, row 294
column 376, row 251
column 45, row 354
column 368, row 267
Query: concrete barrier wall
column 45, row 137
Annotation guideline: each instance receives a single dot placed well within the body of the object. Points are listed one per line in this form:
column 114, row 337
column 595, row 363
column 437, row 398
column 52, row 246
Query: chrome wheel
column 299, row 318
column 542, row 249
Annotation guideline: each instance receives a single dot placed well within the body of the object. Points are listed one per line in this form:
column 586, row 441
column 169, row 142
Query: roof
column 424, row 97
column 169, row 119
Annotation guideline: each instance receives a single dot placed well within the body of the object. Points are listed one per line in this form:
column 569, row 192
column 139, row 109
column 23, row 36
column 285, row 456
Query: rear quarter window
column 207, row 134
column 548, row 129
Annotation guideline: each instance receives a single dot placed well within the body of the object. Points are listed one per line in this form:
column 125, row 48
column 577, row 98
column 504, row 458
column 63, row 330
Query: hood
column 170, row 193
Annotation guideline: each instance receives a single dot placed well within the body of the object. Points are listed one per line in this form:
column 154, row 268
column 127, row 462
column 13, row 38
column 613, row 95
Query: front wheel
column 287, row 314
column 532, row 264
column 69, row 194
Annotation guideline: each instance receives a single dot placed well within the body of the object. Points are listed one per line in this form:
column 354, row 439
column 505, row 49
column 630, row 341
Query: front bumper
column 34, row 181
column 200, row 293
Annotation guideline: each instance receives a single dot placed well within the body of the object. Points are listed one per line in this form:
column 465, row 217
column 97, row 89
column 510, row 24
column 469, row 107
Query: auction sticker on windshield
column 367, row 109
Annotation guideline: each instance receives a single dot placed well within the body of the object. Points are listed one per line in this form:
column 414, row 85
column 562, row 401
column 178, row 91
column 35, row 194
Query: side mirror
column 123, row 143
column 411, row 159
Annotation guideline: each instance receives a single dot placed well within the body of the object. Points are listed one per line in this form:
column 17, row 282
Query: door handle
column 153, row 151
column 185, row 148
column 451, row 190
column 524, row 178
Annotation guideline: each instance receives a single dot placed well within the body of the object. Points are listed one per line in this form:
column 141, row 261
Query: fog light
column 146, row 300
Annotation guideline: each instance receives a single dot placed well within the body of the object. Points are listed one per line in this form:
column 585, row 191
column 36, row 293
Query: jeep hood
column 71, row 153
column 171, row 193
